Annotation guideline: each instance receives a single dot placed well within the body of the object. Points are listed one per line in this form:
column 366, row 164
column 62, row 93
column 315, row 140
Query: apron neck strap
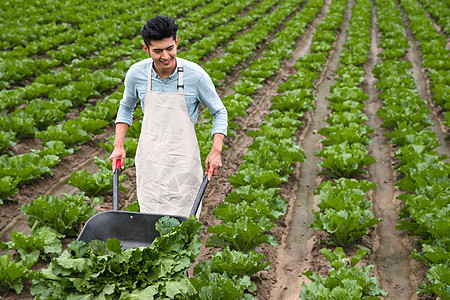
column 180, row 85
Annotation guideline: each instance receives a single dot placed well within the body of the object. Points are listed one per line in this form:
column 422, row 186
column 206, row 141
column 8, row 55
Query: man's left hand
column 214, row 161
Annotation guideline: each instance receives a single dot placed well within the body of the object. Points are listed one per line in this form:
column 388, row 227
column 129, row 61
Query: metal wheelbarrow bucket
column 132, row 229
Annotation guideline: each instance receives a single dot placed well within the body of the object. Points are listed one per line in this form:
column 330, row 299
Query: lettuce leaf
column 95, row 184
column 60, row 214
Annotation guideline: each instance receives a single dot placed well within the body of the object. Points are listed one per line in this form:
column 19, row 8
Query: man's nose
column 165, row 54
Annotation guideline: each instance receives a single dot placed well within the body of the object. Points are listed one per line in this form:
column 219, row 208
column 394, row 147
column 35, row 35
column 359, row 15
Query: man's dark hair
column 159, row 28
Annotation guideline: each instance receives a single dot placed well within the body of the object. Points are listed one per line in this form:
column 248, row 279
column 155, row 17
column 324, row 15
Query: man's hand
column 118, row 153
column 119, row 150
column 214, row 161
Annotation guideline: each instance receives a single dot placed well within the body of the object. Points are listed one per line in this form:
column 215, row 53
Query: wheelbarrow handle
column 200, row 193
column 116, row 186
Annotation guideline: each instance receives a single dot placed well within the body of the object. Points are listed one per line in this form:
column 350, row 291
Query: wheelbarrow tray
column 132, row 229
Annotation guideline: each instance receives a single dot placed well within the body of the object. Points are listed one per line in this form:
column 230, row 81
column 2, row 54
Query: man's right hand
column 118, row 153
column 119, row 150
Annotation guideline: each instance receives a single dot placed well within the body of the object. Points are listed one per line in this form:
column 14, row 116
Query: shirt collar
column 175, row 72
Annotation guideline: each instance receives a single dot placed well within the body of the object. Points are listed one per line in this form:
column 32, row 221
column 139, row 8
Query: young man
column 168, row 167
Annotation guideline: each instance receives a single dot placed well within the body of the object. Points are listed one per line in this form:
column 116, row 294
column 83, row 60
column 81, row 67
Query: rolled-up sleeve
column 129, row 100
column 209, row 97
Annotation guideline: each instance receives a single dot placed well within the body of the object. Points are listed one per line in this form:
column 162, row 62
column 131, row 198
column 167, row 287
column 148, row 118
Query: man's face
column 163, row 53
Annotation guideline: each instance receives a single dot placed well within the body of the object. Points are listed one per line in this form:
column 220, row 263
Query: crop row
column 343, row 214
column 49, row 19
column 441, row 11
column 435, row 55
column 89, row 39
column 425, row 175
column 39, row 39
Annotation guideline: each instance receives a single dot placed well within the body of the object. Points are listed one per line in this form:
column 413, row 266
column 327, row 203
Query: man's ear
column 146, row 48
column 176, row 40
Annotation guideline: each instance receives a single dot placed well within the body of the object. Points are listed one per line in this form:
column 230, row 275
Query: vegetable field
column 335, row 181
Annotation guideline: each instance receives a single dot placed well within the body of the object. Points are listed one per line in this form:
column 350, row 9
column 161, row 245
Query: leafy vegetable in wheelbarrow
column 105, row 270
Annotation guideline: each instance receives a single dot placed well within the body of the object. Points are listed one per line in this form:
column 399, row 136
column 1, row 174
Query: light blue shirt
column 198, row 88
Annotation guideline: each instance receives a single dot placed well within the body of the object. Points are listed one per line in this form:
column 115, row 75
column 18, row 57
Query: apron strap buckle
column 180, row 85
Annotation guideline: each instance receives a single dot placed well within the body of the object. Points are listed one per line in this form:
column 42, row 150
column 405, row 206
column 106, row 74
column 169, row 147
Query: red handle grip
column 118, row 164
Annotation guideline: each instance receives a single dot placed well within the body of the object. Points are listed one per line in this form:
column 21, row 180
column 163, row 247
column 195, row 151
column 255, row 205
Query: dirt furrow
column 393, row 265
column 296, row 255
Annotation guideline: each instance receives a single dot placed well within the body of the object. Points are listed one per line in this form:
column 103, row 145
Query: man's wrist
column 218, row 142
column 217, row 149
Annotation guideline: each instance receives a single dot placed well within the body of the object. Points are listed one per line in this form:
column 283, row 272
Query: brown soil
column 298, row 246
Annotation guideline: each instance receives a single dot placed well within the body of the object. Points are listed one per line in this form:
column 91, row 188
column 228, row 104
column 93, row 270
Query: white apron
column 168, row 168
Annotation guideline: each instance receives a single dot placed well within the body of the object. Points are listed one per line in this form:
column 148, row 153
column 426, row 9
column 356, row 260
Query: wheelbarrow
column 132, row 229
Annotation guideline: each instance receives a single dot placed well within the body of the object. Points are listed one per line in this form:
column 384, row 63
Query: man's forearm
column 121, row 131
column 218, row 142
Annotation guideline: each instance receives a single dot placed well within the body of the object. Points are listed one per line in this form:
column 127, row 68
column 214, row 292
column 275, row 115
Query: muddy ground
column 299, row 246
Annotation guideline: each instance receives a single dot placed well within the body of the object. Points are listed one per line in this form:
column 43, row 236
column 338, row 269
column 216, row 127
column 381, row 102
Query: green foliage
column 18, row 123
column 345, row 159
column 68, row 133
column 42, row 242
column 298, row 100
column 130, row 145
column 105, row 270
column 344, row 226
column 344, row 281
column 232, row 269
column 13, row 274
column 27, row 166
column 242, row 235
column 347, row 117
column 439, row 278
column 234, row 263
column 269, row 196
column 392, row 115
column 7, row 139
column 60, row 214
column 436, row 252
column 344, row 193
column 352, row 133
column 344, row 215
column 8, row 187
column 57, row 148
column 134, row 207
column 404, row 135
column 210, row 285
column 344, row 93
column 424, row 173
column 95, row 184
column 256, row 176
column 411, row 154
column 45, row 113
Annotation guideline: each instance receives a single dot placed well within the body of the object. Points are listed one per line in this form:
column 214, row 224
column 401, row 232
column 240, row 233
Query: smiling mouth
column 166, row 62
